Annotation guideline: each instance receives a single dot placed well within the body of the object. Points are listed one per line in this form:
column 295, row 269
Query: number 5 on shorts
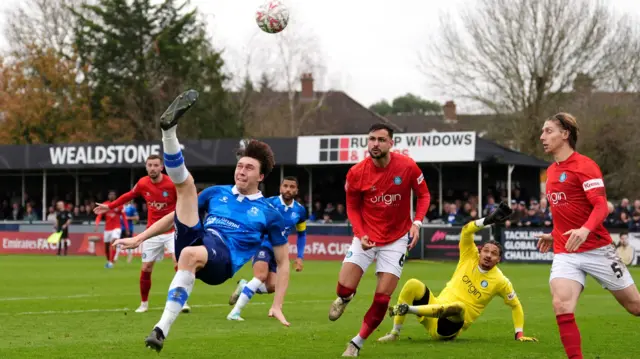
column 616, row 269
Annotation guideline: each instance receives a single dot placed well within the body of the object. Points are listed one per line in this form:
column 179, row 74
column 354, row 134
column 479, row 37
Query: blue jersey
column 242, row 221
column 295, row 217
column 129, row 211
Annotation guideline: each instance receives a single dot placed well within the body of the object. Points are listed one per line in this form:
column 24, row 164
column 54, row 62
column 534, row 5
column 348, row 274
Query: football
column 272, row 16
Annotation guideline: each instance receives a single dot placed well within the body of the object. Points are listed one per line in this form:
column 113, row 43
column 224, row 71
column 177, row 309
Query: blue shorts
column 218, row 268
column 265, row 254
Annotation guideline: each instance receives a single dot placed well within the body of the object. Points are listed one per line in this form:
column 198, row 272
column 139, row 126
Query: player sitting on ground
column 264, row 263
column 237, row 219
column 475, row 282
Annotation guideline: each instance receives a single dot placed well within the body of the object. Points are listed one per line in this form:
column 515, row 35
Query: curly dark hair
column 259, row 151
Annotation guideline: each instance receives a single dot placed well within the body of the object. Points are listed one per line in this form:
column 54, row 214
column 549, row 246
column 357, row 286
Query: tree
column 42, row 102
column 141, row 54
column 407, row 104
column 381, row 107
column 517, row 56
column 34, row 25
column 412, row 104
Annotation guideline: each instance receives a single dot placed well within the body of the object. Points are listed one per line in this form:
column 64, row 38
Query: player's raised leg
column 186, row 217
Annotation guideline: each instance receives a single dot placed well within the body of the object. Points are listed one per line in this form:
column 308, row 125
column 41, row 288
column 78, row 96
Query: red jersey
column 379, row 199
column 112, row 218
column 161, row 198
column 577, row 197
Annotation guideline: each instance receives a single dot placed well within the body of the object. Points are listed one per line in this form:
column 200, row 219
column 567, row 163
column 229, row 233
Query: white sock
column 173, row 160
column 396, row 328
column 262, row 289
column 179, row 291
column 358, row 340
column 247, row 293
column 115, row 256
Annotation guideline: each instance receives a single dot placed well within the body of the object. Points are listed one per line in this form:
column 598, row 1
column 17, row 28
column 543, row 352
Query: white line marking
column 9, row 299
column 106, row 310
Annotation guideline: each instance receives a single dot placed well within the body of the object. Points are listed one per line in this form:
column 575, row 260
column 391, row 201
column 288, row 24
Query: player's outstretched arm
column 517, row 313
column 161, row 226
column 282, row 282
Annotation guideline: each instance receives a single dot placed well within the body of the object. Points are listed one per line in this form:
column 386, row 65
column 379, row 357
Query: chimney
column 306, row 80
column 449, row 110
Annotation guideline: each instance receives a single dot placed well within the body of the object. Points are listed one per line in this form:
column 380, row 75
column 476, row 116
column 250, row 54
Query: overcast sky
column 370, row 47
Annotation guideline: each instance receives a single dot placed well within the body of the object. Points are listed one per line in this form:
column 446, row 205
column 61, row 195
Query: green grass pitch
column 72, row 307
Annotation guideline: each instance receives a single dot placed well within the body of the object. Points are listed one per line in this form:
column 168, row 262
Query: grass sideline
column 72, row 307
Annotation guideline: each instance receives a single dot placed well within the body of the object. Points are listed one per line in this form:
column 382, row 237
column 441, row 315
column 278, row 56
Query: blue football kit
column 234, row 228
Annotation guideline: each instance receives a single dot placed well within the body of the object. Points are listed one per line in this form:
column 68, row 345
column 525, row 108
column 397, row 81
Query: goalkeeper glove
column 521, row 338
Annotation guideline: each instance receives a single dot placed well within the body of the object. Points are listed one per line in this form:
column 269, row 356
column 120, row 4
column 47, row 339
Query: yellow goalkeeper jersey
column 475, row 287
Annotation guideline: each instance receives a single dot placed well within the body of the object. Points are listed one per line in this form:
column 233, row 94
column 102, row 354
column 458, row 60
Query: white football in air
column 272, row 16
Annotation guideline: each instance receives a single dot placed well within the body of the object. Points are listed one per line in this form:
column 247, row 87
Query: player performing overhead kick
column 160, row 194
column 237, row 219
column 475, row 282
column 582, row 245
column 378, row 207
column 264, row 263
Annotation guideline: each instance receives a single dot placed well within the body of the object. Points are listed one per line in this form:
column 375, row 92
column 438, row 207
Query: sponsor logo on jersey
column 221, row 222
column 158, row 205
column 397, row 180
column 388, row 199
column 592, row 183
column 471, row 289
column 556, row 197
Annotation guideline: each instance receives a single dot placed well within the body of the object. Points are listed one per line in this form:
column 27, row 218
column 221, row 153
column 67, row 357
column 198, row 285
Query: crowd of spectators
column 528, row 212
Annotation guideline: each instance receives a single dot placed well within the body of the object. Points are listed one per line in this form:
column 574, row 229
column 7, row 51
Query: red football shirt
column 161, row 198
column 574, row 188
column 379, row 199
column 112, row 218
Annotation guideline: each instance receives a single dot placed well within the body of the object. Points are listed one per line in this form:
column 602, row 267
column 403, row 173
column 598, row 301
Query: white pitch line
column 107, row 310
column 9, row 299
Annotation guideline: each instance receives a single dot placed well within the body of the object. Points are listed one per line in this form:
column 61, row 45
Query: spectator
column 532, row 219
column 51, row 217
column 16, row 212
column 634, row 223
column 490, row 206
column 624, row 250
column 29, row 214
column 326, row 219
column 339, row 214
column 318, row 212
column 452, row 217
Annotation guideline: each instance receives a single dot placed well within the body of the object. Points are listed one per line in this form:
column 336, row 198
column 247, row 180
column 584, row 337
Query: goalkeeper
column 473, row 285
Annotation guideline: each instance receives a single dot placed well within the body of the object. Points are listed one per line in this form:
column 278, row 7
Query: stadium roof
column 488, row 151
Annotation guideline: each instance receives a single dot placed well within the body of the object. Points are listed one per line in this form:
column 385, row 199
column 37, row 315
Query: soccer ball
column 272, row 16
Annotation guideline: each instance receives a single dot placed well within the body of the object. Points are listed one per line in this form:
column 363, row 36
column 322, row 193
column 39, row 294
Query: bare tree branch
column 516, row 56
column 47, row 24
